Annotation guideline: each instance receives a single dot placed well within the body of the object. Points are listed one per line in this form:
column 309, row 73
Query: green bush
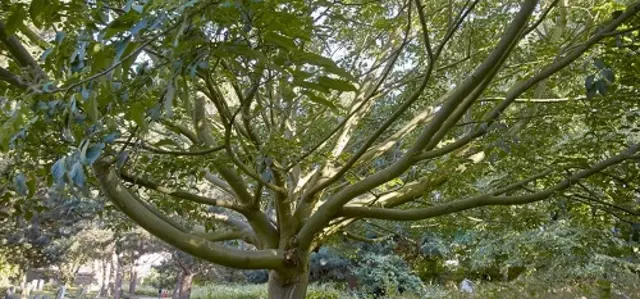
column 386, row 275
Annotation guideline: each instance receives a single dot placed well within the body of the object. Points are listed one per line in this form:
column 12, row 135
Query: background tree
column 296, row 120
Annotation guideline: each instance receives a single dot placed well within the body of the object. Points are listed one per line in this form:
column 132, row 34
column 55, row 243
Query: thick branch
column 258, row 221
column 20, row 53
column 12, row 79
column 485, row 199
column 336, row 202
column 521, row 87
column 197, row 246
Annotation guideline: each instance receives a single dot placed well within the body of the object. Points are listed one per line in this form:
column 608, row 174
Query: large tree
column 292, row 120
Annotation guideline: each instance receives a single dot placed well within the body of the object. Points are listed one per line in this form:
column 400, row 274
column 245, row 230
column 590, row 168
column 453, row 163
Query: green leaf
column 15, row 19
column 121, row 24
column 93, row 152
column 281, row 41
column 336, row 84
column 321, row 101
column 328, row 64
column 37, row 9
column 311, row 85
column 77, row 174
column 91, row 107
column 20, row 183
column 126, row 65
column 58, row 170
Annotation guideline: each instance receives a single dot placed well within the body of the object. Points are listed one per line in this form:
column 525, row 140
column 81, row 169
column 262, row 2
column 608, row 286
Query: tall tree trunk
column 134, row 280
column 106, row 275
column 61, row 292
column 117, row 283
column 24, row 286
column 292, row 283
column 185, row 287
column 288, row 287
column 176, row 289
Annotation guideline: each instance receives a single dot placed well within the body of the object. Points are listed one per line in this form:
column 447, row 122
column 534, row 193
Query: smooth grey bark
column 134, row 280
column 61, row 292
column 289, row 287
column 117, row 283
column 185, row 285
column 106, row 276
column 178, row 286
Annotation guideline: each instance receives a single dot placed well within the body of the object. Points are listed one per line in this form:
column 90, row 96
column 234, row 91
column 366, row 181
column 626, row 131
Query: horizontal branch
column 201, row 152
column 487, row 199
column 194, row 245
column 539, row 101
column 179, row 194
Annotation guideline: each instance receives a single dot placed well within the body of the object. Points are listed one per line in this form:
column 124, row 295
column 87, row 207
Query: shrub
column 381, row 275
column 257, row 276
column 327, row 266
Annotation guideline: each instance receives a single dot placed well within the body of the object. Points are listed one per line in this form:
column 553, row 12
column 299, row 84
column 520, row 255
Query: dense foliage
column 253, row 133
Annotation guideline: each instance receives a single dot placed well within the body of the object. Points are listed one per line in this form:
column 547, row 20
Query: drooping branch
column 603, row 208
column 12, row 79
column 488, row 199
column 195, row 245
column 594, row 197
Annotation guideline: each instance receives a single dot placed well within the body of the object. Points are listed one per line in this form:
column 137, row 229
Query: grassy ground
column 521, row 289
column 527, row 288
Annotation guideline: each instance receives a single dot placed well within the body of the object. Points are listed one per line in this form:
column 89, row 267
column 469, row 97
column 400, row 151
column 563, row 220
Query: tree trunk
column 185, row 287
column 61, row 292
column 117, row 283
column 24, row 286
column 289, row 286
column 134, row 280
column 106, row 275
column 176, row 289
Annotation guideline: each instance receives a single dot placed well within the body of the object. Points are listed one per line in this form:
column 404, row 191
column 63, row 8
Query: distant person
column 159, row 293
